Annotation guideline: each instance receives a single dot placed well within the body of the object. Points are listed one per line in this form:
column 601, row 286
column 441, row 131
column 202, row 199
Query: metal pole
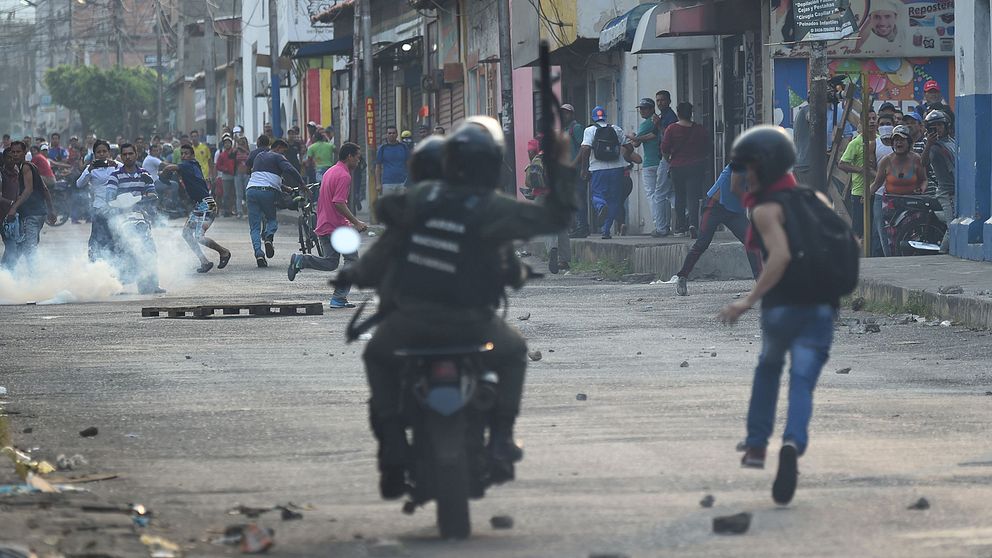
column 506, row 87
column 274, row 68
column 118, row 8
column 819, row 84
column 356, row 98
column 367, row 66
column 158, row 62
column 210, row 78
column 181, row 70
column 866, row 195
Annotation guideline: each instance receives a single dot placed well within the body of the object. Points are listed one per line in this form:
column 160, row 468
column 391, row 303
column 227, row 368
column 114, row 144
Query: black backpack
column 825, row 253
column 606, row 144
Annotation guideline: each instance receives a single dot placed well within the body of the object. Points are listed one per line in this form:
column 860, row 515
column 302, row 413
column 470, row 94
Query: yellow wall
column 565, row 11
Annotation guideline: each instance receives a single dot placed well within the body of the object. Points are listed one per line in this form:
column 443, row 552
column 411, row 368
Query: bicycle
column 305, row 198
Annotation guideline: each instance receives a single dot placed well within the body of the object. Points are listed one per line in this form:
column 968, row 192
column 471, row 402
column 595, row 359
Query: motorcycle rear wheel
column 451, row 478
column 922, row 231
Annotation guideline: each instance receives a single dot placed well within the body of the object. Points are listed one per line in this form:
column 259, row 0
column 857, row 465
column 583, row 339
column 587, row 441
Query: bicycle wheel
column 304, row 238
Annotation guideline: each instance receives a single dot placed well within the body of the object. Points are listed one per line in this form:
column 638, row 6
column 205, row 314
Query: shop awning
column 722, row 17
column 619, row 31
column 646, row 40
column 337, row 45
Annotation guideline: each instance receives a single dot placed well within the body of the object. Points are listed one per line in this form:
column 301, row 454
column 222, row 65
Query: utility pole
column 118, row 11
column 158, row 62
column 819, row 84
column 356, row 73
column 51, row 32
column 210, row 78
column 274, row 68
column 367, row 65
column 506, row 87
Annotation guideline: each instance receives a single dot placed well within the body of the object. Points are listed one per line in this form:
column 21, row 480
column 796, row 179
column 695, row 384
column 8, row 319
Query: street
column 200, row 416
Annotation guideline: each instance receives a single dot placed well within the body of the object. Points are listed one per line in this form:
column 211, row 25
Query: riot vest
column 445, row 259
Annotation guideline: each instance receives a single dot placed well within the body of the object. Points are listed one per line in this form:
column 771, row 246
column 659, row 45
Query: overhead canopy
column 619, row 31
column 337, row 45
column 722, row 17
column 646, row 40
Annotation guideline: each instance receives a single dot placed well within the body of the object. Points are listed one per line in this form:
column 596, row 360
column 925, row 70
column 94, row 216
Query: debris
column 707, row 501
column 581, row 397
column 844, row 371
column 535, row 355
column 858, row 304
column 908, row 343
column 551, row 350
column 188, row 357
column 27, row 430
column 40, row 484
column 290, row 515
column 248, row 511
column 945, row 323
column 3, row 390
column 255, row 540
column 988, row 393
column 685, row 364
column 873, row 328
column 24, row 463
column 712, row 354
column 524, row 317
column 921, row 504
column 89, row 432
column 365, row 337
column 69, row 463
column 638, row 353
column 950, row 289
column 80, row 479
column 372, row 234
column 642, row 278
column 161, row 547
column 732, row 524
column 501, row 522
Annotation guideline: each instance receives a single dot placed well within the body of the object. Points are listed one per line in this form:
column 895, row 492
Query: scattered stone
column 707, row 501
column 988, row 393
column 27, row 430
column 89, row 432
column 638, row 353
column 737, row 524
column 535, row 355
column 873, row 328
column 844, row 371
column 950, row 289
column 945, row 323
column 524, row 317
column 685, row 364
column 501, row 522
column 581, row 397
column 921, row 504
column 69, row 463
column 640, row 278
column 290, row 515
column 188, row 357
column 712, row 354
column 858, row 304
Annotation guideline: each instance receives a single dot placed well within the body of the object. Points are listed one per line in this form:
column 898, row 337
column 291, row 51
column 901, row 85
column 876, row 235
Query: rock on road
column 199, row 416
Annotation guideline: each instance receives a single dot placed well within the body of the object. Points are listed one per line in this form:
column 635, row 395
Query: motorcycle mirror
column 345, row 240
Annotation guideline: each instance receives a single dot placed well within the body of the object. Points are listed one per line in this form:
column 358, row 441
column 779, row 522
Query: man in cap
column 574, row 131
column 602, row 159
column 647, row 135
column 933, row 100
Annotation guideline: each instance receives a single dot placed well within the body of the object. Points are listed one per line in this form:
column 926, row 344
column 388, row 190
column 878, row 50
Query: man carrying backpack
column 603, row 155
column 810, row 261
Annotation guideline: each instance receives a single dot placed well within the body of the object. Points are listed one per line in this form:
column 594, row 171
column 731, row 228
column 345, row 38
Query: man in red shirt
column 39, row 158
column 333, row 212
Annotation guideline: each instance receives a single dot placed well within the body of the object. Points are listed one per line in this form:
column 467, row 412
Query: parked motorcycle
column 62, row 199
column 137, row 259
column 912, row 225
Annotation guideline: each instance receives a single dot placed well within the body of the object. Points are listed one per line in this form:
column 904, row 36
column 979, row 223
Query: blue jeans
column 261, row 203
column 805, row 332
column 607, row 191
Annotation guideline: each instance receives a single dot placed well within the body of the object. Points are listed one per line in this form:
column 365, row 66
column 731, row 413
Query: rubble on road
column 69, row 463
column 581, row 397
column 737, row 524
column 160, row 547
column 89, row 432
column 501, row 522
column 685, row 364
column 921, row 504
column 950, row 289
column 524, row 317
column 843, row 371
column 535, row 355
column 638, row 278
column 707, row 501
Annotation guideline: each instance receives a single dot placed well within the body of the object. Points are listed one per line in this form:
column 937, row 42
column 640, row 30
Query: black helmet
column 473, row 154
column 769, row 148
column 936, row 117
column 425, row 161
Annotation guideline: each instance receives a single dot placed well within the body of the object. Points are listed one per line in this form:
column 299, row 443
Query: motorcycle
column 62, row 196
column 912, row 225
column 137, row 259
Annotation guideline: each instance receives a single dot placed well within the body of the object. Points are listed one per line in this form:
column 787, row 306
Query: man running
column 264, row 187
column 204, row 209
column 723, row 207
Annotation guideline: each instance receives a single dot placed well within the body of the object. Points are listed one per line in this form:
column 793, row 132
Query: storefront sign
column 370, row 122
column 864, row 28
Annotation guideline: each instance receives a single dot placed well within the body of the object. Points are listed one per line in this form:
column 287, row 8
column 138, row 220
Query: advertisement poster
column 864, row 28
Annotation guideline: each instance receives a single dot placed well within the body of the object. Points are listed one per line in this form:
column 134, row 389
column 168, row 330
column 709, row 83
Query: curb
column 969, row 311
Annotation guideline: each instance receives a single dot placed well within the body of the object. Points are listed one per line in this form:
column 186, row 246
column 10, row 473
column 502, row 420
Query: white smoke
column 62, row 272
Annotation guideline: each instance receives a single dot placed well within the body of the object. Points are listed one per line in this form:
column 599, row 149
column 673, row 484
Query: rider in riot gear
column 442, row 275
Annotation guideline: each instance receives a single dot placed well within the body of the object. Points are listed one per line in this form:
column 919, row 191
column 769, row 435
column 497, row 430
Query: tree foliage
column 109, row 101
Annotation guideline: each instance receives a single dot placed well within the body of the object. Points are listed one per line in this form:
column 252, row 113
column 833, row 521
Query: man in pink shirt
column 333, row 212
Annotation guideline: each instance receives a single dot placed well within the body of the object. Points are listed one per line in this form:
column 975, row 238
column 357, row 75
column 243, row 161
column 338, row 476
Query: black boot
column 392, row 456
column 504, row 451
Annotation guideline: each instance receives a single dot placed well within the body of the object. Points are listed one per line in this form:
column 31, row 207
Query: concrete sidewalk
column 914, row 284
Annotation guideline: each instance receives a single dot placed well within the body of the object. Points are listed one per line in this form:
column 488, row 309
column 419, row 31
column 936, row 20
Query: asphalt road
column 199, row 416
